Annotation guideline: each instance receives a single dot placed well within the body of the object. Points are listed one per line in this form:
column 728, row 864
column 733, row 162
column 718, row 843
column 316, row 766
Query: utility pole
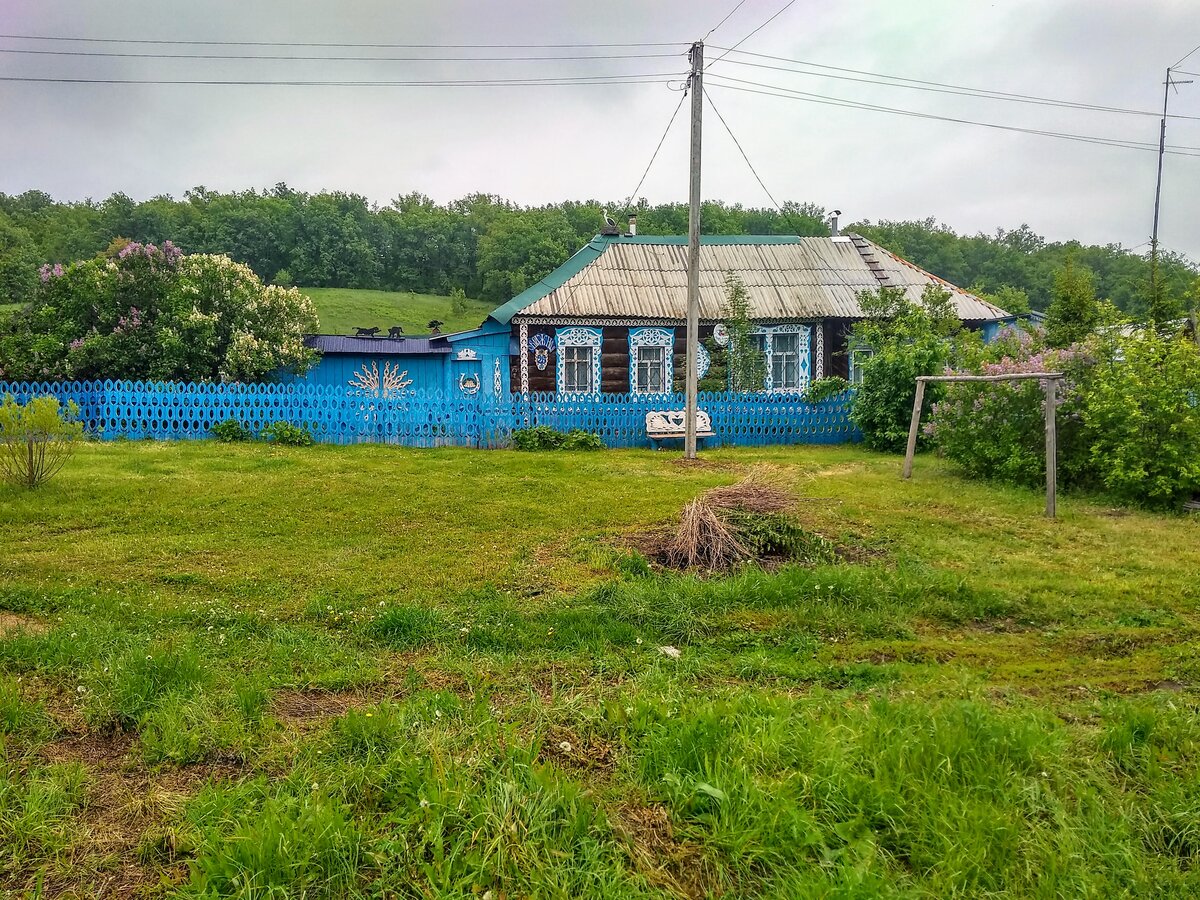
column 696, row 86
column 1162, row 149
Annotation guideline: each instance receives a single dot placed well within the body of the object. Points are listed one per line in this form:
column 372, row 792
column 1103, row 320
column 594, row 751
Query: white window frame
column 574, row 338
column 804, row 356
column 856, row 374
column 647, row 338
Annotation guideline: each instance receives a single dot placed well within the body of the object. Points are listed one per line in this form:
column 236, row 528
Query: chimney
column 833, row 222
column 633, row 226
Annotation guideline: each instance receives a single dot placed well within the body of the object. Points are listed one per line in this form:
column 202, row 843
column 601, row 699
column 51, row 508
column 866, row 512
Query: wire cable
column 645, row 78
column 785, row 8
column 1186, row 55
column 788, row 94
column 195, row 43
column 227, row 56
column 937, row 86
column 654, row 155
column 728, row 15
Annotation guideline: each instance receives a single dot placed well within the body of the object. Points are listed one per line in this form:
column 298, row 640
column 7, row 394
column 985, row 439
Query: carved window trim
column 804, row 366
column 576, row 336
column 651, row 337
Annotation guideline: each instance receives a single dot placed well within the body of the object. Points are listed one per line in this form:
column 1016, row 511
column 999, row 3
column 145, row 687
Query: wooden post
column 1051, row 448
column 912, row 429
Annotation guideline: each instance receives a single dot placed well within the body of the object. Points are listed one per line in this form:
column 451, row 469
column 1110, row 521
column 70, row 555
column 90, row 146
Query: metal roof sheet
column 337, row 343
column 785, row 277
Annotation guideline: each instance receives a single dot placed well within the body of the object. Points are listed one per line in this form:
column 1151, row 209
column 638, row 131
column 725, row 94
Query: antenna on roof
column 610, row 224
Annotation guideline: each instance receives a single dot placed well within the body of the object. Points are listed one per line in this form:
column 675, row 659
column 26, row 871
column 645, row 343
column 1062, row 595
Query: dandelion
column 564, row 746
column 424, row 803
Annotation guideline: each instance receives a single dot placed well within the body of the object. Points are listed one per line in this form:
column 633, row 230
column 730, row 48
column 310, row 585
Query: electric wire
column 728, row 15
column 784, row 9
column 654, row 155
column 788, row 94
column 1186, row 55
column 229, row 56
column 225, row 43
column 630, row 78
column 940, row 87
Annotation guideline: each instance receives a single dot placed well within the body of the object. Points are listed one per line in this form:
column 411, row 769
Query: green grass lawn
column 7, row 309
column 252, row 671
column 341, row 310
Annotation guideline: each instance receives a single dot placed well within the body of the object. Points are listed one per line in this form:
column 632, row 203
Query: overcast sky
column 546, row 143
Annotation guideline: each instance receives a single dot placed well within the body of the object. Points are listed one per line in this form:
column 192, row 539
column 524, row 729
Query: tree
column 747, row 363
column 1074, row 313
column 36, row 439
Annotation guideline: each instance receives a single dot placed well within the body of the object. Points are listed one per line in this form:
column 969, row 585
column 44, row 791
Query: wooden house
column 612, row 318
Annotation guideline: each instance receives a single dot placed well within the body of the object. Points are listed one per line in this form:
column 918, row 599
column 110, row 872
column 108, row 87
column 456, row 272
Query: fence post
column 912, row 429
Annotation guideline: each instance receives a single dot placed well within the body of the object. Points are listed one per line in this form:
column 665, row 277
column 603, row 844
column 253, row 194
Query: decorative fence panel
column 177, row 411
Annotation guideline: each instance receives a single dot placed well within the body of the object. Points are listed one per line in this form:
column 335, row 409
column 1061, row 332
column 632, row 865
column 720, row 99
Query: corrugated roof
column 337, row 343
column 786, row 278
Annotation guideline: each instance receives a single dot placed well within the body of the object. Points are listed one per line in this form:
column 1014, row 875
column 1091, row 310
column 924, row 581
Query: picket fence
column 179, row 411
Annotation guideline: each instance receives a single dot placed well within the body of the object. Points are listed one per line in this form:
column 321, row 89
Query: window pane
column 577, row 369
column 650, row 370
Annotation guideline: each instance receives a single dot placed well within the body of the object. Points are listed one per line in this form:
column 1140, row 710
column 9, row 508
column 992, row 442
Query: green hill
column 341, row 310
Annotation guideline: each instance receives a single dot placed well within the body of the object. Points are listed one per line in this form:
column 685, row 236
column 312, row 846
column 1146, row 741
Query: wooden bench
column 671, row 425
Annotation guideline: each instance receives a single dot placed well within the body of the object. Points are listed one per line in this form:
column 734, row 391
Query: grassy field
column 341, row 310
column 252, row 671
column 7, row 309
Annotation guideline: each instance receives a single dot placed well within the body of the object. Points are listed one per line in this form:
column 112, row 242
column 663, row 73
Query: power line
column 645, row 78
column 222, row 43
column 728, row 15
column 226, row 56
column 933, row 85
column 775, row 91
column 784, row 9
column 654, row 155
column 783, row 214
column 939, row 87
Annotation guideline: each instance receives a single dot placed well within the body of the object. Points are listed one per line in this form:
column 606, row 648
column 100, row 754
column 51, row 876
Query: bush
column 825, row 389
column 287, row 434
column 36, row 439
column 1128, row 417
column 152, row 313
column 231, row 431
column 543, row 437
column 909, row 340
column 1141, row 420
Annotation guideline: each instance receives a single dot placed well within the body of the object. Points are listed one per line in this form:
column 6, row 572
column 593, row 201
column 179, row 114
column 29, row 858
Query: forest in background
column 493, row 249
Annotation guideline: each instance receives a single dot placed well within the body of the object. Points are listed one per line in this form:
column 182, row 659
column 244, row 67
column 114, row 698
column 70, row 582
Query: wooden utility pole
column 696, row 86
column 1162, row 149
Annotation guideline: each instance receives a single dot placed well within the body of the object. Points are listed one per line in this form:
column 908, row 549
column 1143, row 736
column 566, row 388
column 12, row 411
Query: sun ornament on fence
column 392, row 384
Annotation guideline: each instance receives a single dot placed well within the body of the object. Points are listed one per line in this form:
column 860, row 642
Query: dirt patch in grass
column 667, row 862
column 570, row 751
column 308, row 709
column 11, row 623
column 123, row 801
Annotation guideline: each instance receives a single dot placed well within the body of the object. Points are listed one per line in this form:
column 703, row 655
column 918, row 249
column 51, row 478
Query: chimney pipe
column 833, row 222
column 633, row 226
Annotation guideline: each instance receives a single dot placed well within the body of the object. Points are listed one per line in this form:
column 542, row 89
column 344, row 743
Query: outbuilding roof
column 786, row 277
column 413, row 346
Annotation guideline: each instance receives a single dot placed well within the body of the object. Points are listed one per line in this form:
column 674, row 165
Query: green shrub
column 287, row 434
column 909, row 339
column 825, row 389
column 36, row 439
column 543, row 437
column 231, row 431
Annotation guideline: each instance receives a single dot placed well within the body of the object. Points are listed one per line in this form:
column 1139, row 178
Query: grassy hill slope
column 341, row 310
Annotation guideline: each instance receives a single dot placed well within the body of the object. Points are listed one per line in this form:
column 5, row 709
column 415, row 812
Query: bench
column 671, row 425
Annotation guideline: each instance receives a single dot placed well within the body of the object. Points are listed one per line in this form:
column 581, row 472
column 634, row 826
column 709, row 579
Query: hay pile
column 752, row 495
column 703, row 541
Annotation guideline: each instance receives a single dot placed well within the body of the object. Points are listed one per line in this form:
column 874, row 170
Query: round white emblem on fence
column 721, row 334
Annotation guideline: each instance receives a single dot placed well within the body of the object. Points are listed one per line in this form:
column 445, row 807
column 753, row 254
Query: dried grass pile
column 704, row 541
column 751, row 495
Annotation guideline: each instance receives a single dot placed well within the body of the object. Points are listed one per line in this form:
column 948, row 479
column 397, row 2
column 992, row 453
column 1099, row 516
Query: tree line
column 493, row 249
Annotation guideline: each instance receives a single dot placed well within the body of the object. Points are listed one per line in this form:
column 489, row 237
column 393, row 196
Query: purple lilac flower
column 77, row 343
column 44, row 273
column 57, row 271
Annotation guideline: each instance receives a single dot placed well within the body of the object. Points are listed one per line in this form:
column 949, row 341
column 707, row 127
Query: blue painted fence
column 174, row 411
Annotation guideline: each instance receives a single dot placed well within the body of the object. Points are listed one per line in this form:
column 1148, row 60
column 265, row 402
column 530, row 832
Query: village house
column 611, row 319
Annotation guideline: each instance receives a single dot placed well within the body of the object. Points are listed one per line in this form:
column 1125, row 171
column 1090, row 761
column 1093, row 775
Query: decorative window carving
column 788, row 356
column 577, row 360
column 650, row 352
column 540, row 346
